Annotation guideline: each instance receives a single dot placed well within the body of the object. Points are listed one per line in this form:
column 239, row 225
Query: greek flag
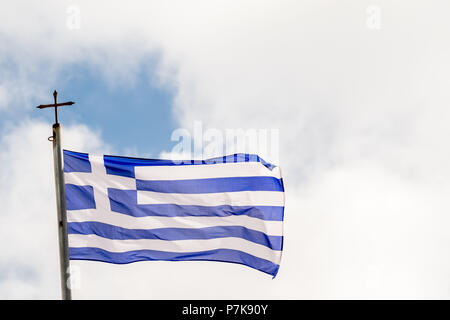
column 123, row 210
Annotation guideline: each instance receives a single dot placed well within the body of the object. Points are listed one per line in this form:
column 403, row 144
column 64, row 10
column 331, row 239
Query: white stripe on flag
column 242, row 198
column 273, row 228
column 219, row 170
column 99, row 179
column 257, row 250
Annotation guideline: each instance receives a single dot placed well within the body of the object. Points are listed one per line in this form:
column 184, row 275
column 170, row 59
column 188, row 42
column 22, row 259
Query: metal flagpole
column 60, row 199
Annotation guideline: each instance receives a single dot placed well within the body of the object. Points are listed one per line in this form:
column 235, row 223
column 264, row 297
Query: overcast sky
column 359, row 91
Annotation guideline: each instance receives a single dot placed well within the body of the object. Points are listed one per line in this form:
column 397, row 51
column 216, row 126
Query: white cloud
column 362, row 232
column 362, row 117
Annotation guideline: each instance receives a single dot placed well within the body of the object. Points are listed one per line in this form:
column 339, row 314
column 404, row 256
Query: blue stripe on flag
column 117, row 233
column 211, row 185
column 79, row 197
column 124, row 166
column 222, row 255
column 125, row 201
column 76, row 162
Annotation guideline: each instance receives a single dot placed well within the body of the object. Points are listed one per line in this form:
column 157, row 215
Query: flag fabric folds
column 123, row 210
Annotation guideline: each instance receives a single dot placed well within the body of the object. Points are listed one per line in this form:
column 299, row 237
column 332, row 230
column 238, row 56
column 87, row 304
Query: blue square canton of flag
column 123, row 210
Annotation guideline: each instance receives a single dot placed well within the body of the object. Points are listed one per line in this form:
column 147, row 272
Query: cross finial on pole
column 55, row 105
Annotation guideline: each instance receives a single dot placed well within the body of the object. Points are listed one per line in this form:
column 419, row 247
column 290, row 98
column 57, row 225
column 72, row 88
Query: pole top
column 55, row 105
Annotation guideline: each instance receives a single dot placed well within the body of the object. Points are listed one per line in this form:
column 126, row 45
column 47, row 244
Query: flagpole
column 62, row 213
column 60, row 201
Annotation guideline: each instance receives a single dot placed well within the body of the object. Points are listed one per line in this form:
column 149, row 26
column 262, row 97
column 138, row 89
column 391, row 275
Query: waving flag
column 123, row 210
